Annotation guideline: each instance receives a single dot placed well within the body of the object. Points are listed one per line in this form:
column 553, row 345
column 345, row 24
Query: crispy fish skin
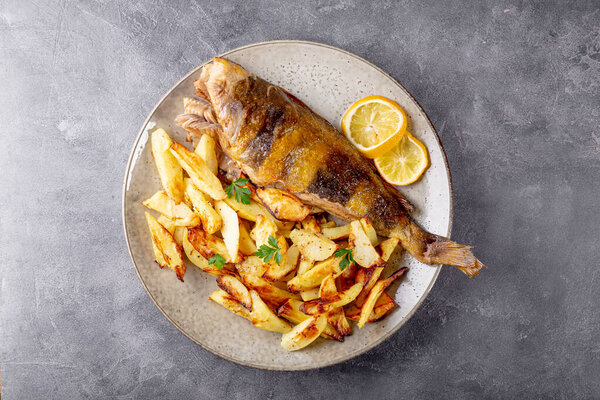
column 279, row 142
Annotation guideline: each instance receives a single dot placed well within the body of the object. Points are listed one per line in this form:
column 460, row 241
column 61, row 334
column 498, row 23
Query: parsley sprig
column 238, row 190
column 217, row 260
column 266, row 252
column 346, row 256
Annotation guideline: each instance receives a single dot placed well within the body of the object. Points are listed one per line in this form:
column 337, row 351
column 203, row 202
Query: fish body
column 280, row 142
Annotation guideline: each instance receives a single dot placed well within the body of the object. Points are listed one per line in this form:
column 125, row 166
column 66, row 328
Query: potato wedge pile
column 279, row 263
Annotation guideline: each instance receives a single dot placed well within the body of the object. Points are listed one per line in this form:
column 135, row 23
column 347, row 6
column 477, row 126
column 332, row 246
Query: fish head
column 225, row 84
column 256, row 116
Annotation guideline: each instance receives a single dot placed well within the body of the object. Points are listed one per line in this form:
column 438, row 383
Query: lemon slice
column 374, row 125
column 405, row 163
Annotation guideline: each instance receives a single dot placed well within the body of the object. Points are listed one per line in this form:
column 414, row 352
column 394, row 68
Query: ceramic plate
column 328, row 80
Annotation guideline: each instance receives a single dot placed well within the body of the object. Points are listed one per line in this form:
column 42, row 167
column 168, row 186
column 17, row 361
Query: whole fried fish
column 280, row 142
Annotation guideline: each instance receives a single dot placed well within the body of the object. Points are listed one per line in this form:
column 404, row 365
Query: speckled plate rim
column 345, row 357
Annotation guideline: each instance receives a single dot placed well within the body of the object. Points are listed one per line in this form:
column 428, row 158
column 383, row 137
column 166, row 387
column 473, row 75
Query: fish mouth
column 218, row 80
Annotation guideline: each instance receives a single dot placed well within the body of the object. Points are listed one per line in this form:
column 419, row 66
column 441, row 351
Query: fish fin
column 200, row 89
column 197, row 123
column 196, row 126
column 408, row 206
column 295, row 99
column 445, row 251
column 404, row 202
column 200, row 107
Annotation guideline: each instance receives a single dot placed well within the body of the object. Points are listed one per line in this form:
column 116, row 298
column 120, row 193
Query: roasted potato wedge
column 290, row 310
column 348, row 277
column 211, row 220
column 158, row 254
column 267, row 291
column 341, row 299
column 353, row 313
column 262, row 317
column 327, row 224
column 304, row 333
column 198, row 259
column 166, row 251
column 286, row 265
column 313, row 277
column 223, row 298
column 304, row 265
column 168, row 223
column 310, row 294
column 263, row 228
column 276, row 271
column 315, row 210
column 363, row 275
column 178, row 234
column 337, row 232
column 236, row 289
column 283, row 205
column 368, row 277
column 169, row 170
column 337, row 319
column 206, row 150
column 364, row 253
column 370, row 231
column 209, row 245
column 383, row 305
column 284, row 228
column 314, row 246
column 328, row 290
column 198, row 171
column 310, row 224
column 251, row 266
column 375, row 293
column 247, row 211
column 387, row 248
column 180, row 213
column 247, row 245
column 251, row 211
column 230, row 229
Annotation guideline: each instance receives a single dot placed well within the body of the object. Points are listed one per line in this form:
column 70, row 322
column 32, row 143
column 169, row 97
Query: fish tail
column 434, row 249
column 445, row 251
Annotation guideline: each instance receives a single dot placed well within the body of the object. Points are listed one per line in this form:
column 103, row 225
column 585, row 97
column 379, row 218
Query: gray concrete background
column 513, row 88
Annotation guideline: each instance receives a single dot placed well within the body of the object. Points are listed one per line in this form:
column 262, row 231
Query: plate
column 328, row 80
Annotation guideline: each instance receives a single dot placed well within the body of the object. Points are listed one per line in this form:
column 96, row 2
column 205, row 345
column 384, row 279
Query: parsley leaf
column 272, row 241
column 266, row 252
column 238, row 190
column 217, row 260
column 346, row 256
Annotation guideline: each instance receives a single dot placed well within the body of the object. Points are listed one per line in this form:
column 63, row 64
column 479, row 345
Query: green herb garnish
column 346, row 255
column 266, row 252
column 238, row 190
column 217, row 260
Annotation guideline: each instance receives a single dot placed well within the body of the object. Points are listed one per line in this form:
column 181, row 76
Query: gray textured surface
column 514, row 90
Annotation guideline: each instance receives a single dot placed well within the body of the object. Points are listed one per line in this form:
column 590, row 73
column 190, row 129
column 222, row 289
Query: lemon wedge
column 374, row 125
column 404, row 163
